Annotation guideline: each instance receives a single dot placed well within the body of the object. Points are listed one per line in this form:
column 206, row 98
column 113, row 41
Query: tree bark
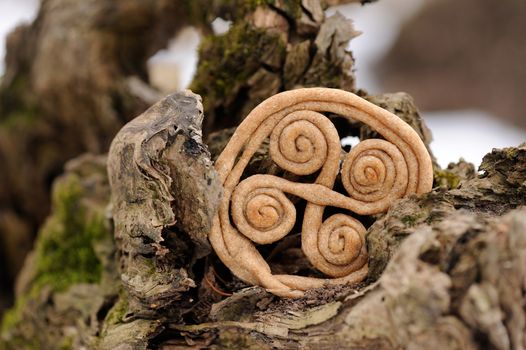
column 73, row 78
column 446, row 268
column 123, row 261
column 78, row 73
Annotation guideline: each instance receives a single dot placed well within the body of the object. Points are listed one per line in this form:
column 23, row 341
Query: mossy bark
column 137, row 272
column 446, row 268
column 271, row 46
column 70, row 84
column 73, row 78
column 71, row 274
column 78, row 73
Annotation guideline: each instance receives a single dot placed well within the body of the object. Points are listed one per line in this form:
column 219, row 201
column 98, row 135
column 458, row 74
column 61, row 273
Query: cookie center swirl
column 369, row 171
column 341, row 239
column 375, row 171
column 298, row 145
column 264, row 215
column 263, row 211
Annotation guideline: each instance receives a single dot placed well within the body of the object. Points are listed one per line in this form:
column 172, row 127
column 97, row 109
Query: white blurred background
column 12, row 13
column 457, row 133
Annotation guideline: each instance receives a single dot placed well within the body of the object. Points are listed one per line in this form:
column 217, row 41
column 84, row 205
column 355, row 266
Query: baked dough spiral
column 303, row 141
column 264, row 215
column 375, row 172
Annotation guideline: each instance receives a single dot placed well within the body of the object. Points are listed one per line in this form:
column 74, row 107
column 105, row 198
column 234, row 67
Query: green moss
column 114, row 317
column 150, row 264
column 292, row 7
column 410, row 220
column 12, row 95
column 118, row 311
column 13, row 316
column 15, row 109
column 252, row 4
column 511, row 152
column 446, row 179
column 19, row 119
column 64, row 250
column 66, row 344
column 228, row 60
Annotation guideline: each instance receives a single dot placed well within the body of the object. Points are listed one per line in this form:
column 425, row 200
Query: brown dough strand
column 303, row 141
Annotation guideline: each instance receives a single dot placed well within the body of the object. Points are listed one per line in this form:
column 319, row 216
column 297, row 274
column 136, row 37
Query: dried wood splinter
column 303, row 141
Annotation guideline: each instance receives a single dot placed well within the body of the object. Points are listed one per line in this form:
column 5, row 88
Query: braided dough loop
column 263, row 207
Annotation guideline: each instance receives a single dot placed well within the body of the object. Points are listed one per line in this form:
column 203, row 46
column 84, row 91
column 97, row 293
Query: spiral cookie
column 303, row 141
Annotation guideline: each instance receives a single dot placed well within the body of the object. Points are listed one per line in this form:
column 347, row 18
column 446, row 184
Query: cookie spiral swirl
column 341, row 242
column 299, row 143
column 303, row 141
column 375, row 172
column 264, row 215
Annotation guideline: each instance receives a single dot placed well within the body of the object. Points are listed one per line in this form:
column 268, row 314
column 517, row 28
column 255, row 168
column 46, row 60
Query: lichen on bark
column 221, row 78
column 273, row 46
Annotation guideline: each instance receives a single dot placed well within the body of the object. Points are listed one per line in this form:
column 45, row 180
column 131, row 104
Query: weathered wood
column 272, row 48
column 165, row 192
column 70, row 84
column 446, row 269
column 435, row 260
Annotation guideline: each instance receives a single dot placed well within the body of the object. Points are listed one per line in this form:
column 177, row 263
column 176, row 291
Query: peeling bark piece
column 164, row 195
column 334, row 36
column 311, row 17
column 331, row 65
column 303, row 142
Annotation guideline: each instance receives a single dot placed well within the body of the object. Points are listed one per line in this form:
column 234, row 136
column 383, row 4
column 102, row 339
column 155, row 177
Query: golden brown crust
column 303, row 141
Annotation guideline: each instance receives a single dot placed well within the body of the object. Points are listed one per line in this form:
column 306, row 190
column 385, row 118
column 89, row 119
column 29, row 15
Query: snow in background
column 379, row 23
column 469, row 134
column 173, row 68
column 13, row 13
column 466, row 133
